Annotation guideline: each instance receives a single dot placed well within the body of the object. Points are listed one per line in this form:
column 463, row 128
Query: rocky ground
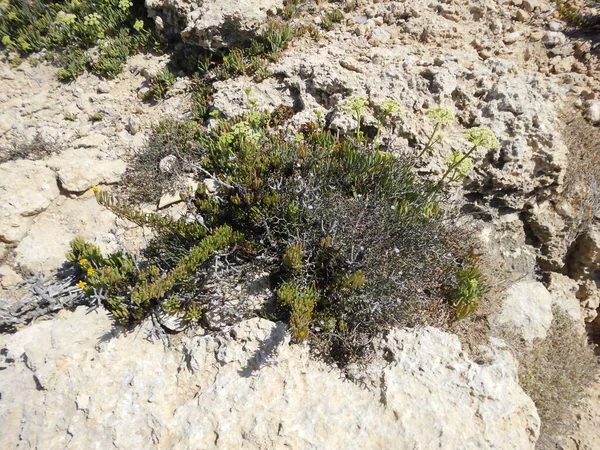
column 511, row 66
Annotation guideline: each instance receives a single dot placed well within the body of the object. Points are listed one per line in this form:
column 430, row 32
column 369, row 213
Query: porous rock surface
column 213, row 23
column 76, row 382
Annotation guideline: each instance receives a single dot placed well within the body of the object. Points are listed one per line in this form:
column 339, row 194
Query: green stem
column 430, row 142
column 455, row 165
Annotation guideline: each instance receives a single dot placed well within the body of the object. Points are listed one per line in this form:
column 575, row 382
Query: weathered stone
column 167, row 164
column 8, row 277
column 593, row 112
column 552, row 38
column 26, row 189
column 511, row 38
column 45, row 246
column 122, row 390
column 213, row 24
column 79, row 169
column 91, row 140
column 526, row 310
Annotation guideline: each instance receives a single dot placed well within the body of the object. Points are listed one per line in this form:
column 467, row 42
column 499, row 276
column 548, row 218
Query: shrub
column 353, row 241
column 144, row 180
column 159, row 85
column 331, row 18
column 555, row 374
column 37, row 148
column 70, row 28
column 583, row 16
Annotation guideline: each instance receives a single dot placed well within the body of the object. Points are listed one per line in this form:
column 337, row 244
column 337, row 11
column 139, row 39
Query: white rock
column 216, row 24
column 380, row 35
column 526, row 310
column 91, row 140
column 231, row 100
column 45, row 246
column 167, row 164
column 530, row 5
column 593, row 113
column 81, row 168
column 168, row 199
column 511, row 38
column 77, row 382
column 103, row 88
column 26, row 189
column 553, row 25
column 8, row 277
column 552, row 38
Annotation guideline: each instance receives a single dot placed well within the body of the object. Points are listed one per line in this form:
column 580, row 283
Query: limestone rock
column 80, row 168
column 26, row 189
column 45, row 246
column 231, row 99
column 584, row 261
column 83, row 384
column 211, row 23
column 526, row 310
column 593, row 112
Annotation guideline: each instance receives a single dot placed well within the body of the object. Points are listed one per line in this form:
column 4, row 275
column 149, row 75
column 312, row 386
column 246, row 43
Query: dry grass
column 555, row 374
column 38, row 148
column 582, row 178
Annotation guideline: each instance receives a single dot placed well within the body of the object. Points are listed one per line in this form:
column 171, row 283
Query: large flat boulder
column 77, row 382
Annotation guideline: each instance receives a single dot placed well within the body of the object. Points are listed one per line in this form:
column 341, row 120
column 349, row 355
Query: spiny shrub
column 115, row 26
column 584, row 16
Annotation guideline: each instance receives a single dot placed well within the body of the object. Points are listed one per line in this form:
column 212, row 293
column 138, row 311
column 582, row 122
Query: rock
column 79, row 169
column 103, row 88
column 168, row 199
column 26, row 189
column 249, row 388
column 231, row 98
column 530, row 5
column 45, row 246
column 584, row 258
column 172, row 322
column 589, row 296
column 91, row 140
column 526, row 310
column 133, row 125
column 511, row 38
column 522, row 16
column 593, row 112
column 552, row 38
column 9, row 278
column 167, row 164
column 380, row 35
column 215, row 24
column 564, row 296
column 553, row 25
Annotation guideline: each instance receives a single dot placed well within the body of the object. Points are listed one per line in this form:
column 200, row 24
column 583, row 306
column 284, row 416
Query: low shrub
column 582, row 14
column 116, row 27
column 353, row 240
column 144, row 180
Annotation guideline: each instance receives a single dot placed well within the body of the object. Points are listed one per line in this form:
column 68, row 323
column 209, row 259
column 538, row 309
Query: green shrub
column 583, row 16
column 159, row 85
column 70, row 28
column 353, row 241
column 331, row 18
